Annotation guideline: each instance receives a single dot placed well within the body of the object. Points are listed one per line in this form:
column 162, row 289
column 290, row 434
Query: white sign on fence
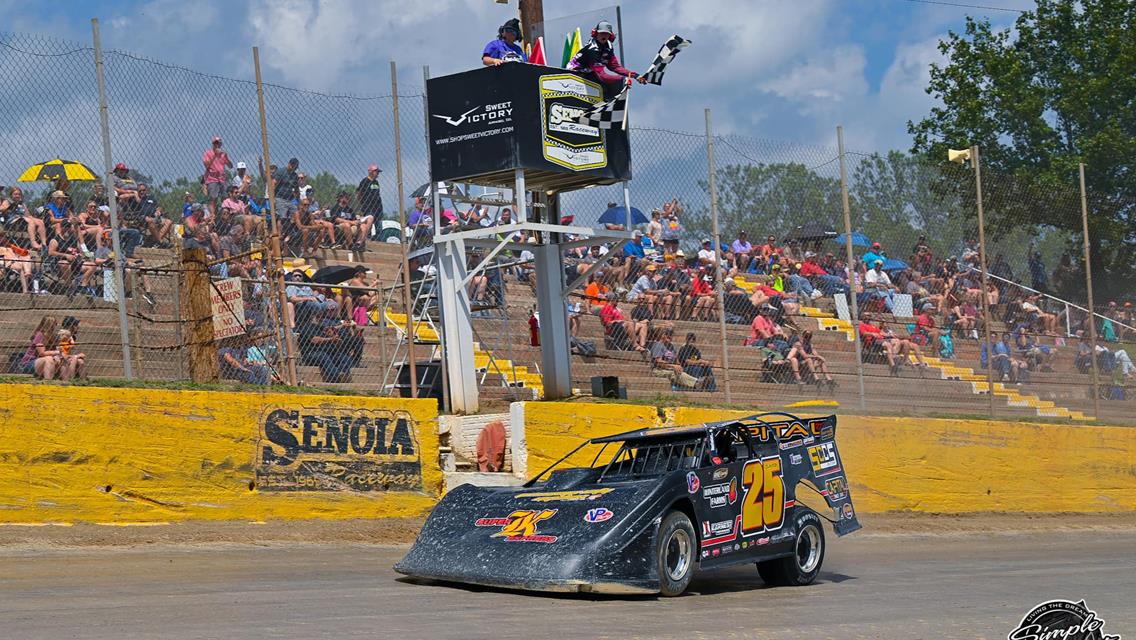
column 228, row 308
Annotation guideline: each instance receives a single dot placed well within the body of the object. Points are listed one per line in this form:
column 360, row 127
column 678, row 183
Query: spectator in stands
column 800, row 285
column 216, row 160
column 302, row 298
column 622, row 332
column 287, row 189
column 78, row 359
column 63, row 257
column 59, row 211
column 873, row 255
column 675, row 284
column 1065, row 278
column 237, row 203
column 352, row 225
column 125, row 189
column 15, row 207
column 878, row 284
column 672, row 226
column 703, row 297
column 1036, row 356
column 232, row 245
column 645, row 289
column 963, row 320
column 707, row 256
column 235, row 364
column 821, row 280
column 322, row 346
column 42, row 358
column 90, row 226
column 308, row 226
column 151, row 216
column 664, row 362
column 804, row 353
column 741, row 248
column 92, row 265
column 763, row 330
column 369, row 196
column 1004, row 363
column 505, row 48
column 655, row 227
column 690, row 357
column 16, row 260
column 1044, row 322
column 926, row 333
column 921, row 256
column 242, row 180
column 595, row 293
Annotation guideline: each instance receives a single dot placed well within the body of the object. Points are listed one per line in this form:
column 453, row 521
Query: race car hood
column 581, row 539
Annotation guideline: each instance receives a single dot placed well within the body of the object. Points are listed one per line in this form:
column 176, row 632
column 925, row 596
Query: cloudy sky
column 773, row 69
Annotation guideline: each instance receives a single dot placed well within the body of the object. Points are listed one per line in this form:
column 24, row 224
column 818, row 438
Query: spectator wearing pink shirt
column 216, row 160
column 237, row 202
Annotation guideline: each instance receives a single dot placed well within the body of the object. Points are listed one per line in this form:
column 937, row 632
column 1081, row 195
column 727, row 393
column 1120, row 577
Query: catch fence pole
column 276, row 259
column 406, row 297
column 850, row 262
column 1089, row 292
column 985, row 293
column 116, row 241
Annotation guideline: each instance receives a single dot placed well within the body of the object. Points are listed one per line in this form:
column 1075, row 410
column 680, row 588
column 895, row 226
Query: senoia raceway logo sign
column 1061, row 620
column 563, row 99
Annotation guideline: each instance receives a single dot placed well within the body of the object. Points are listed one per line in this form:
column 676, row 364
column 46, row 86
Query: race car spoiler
column 807, row 447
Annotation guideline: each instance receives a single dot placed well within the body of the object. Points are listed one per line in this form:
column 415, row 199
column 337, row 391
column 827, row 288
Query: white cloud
column 825, row 79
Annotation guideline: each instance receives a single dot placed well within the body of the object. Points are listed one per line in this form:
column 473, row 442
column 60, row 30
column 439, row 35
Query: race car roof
column 688, row 430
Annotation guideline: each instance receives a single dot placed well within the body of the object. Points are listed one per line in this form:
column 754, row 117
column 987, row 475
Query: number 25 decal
column 763, row 508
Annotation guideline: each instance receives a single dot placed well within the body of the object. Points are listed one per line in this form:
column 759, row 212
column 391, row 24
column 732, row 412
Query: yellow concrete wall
column 923, row 465
column 141, row 455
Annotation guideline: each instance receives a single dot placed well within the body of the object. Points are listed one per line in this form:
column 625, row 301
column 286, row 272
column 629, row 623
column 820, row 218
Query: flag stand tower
column 512, row 127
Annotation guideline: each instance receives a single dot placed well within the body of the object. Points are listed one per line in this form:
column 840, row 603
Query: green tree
column 769, row 199
column 1055, row 90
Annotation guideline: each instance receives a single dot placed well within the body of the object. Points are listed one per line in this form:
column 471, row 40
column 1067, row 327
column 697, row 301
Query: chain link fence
column 791, row 318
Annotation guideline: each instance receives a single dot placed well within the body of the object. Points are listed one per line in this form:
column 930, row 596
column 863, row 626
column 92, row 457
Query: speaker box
column 607, row 387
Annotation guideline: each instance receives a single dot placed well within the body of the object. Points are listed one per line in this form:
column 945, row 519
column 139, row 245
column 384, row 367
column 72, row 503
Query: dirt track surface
column 903, row 577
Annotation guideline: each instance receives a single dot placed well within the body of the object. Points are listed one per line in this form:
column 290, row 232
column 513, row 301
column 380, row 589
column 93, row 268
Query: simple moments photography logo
column 1061, row 620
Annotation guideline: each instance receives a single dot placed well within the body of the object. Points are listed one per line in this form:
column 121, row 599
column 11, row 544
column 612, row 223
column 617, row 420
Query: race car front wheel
column 675, row 553
column 803, row 566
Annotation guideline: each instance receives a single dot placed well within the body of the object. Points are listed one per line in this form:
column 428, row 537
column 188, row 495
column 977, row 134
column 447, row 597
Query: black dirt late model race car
column 668, row 500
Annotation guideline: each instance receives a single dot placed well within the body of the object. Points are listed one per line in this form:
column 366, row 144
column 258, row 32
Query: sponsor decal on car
column 721, row 473
column 836, row 488
column 846, row 511
column 581, row 495
column 823, row 458
column 520, row 526
column 795, row 458
column 1061, row 619
column 764, row 540
column 793, row 444
column 599, row 514
column 732, row 494
column 720, row 532
column 692, row 482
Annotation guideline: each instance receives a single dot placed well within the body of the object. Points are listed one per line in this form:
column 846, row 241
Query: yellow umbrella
column 53, row 170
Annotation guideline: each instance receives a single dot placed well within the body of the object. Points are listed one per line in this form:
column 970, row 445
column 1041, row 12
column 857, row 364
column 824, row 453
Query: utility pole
column 531, row 13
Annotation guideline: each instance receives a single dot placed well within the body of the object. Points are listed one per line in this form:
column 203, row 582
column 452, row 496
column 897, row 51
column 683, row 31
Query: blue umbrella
column 891, row 264
column 858, row 239
column 618, row 215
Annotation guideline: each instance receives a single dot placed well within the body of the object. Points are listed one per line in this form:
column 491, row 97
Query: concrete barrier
column 145, row 455
column 910, row 464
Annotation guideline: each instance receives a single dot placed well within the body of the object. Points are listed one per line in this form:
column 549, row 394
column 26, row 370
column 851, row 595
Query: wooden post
column 851, row 262
column 1089, row 292
column 198, row 304
column 531, row 13
column 719, row 271
column 411, row 326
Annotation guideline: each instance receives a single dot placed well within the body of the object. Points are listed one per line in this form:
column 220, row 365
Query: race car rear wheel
column 675, row 553
column 803, row 566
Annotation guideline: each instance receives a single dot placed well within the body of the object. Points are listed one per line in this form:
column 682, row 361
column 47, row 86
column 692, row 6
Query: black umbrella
column 447, row 190
column 334, row 274
column 811, row 231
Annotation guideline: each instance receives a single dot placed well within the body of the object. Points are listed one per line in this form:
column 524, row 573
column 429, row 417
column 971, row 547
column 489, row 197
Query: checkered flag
column 608, row 115
column 667, row 52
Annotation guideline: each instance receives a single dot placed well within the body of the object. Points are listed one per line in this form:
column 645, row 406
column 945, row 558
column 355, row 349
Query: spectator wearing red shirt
column 763, row 328
column 703, row 295
column 611, row 317
column 926, row 333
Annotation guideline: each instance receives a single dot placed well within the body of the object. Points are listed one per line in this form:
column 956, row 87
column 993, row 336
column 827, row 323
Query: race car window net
column 638, row 459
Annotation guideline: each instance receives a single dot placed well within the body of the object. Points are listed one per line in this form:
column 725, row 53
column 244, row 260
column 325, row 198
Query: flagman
column 597, row 60
column 505, row 48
